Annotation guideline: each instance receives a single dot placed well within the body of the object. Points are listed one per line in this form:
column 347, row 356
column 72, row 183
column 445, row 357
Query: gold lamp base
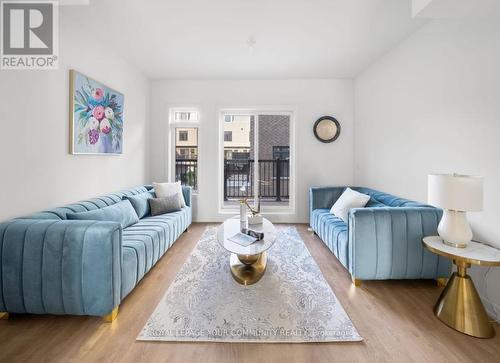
column 248, row 269
column 460, row 307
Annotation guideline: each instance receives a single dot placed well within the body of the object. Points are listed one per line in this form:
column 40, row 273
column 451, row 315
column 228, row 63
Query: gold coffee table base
column 248, row 269
column 460, row 307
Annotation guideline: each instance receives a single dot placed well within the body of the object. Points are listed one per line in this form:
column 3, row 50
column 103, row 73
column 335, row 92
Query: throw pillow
column 164, row 205
column 121, row 212
column 163, row 190
column 349, row 199
column 140, row 203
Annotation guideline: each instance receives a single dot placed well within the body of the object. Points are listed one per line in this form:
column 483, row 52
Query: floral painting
column 96, row 117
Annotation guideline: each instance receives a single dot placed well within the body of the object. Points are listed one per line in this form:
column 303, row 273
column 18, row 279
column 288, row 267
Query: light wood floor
column 394, row 317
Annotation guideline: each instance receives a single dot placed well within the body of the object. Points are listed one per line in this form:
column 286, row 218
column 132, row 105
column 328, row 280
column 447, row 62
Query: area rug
column 292, row 303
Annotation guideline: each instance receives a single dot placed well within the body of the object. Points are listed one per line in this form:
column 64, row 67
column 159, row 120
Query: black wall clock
column 326, row 129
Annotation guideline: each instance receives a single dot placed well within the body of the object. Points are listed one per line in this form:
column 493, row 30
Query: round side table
column 459, row 305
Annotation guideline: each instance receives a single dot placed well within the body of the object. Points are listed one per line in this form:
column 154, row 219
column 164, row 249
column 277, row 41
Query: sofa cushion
column 129, row 270
column 42, row 215
column 121, row 212
column 349, row 199
column 333, row 231
column 164, row 205
column 163, row 190
column 140, row 203
column 373, row 203
column 179, row 220
column 145, row 242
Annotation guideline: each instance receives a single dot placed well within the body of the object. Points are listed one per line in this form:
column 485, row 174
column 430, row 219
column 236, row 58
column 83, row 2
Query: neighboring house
column 186, row 142
column 274, row 137
column 236, row 136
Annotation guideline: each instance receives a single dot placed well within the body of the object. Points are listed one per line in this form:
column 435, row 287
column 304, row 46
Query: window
column 183, row 164
column 281, row 152
column 241, row 155
column 185, row 115
column 186, row 156
column 256, row 157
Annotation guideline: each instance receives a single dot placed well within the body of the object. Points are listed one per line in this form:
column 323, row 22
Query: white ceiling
column 209, row 39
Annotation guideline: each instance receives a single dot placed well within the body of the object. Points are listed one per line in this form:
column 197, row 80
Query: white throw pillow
column 163, row 190
column 349, row 199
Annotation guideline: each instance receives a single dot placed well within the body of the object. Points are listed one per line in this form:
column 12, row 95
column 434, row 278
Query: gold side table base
column 460, row 307
column 248, row 269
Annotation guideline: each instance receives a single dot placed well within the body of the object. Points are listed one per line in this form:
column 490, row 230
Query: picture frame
column 96, row 117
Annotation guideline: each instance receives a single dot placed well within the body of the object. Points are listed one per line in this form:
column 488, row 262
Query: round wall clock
column 326, row 129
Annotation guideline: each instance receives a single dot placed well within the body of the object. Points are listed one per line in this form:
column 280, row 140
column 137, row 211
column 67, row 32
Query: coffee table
column 248, row 264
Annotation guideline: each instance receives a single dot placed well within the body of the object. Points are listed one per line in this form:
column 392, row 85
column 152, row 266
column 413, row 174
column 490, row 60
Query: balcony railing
column 274, row 178
column 186, row 170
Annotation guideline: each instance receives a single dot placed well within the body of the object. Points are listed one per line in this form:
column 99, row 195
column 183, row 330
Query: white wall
column 433, row 105
column 37, row 172
column 317, row 163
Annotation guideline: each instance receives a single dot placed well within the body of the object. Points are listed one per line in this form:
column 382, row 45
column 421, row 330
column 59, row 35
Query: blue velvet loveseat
column 52, row 265
column 382, row 240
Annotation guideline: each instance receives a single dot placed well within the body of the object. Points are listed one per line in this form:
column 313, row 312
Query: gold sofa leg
column 441, row 281
column 111, row 316
column 356, row 282
column 4, row 315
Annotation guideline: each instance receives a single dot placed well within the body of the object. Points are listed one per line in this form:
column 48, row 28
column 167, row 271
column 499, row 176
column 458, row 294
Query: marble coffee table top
column 233, row 225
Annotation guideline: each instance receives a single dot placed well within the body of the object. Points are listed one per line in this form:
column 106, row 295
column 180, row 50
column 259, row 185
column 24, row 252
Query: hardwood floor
column 394, row 317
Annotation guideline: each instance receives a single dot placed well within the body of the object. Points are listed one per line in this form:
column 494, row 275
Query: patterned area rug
column 292, row 303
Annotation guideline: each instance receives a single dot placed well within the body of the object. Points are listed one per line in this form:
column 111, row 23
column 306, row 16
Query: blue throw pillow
column 140, row 203
column 121, row 212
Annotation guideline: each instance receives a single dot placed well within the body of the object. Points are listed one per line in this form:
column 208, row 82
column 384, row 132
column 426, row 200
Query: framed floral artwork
column 96, row 117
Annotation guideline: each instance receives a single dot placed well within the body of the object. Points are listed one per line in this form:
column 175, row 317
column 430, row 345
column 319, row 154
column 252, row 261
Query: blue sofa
column 52, row 265
column 382, row 240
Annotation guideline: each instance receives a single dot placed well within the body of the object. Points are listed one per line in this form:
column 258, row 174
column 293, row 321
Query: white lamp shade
column 456, row 192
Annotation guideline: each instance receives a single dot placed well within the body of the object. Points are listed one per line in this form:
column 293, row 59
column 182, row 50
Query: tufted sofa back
column 381, row 199
column 86, row 205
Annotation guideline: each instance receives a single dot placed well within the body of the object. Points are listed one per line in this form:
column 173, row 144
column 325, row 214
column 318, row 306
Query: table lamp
column 456, row 194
